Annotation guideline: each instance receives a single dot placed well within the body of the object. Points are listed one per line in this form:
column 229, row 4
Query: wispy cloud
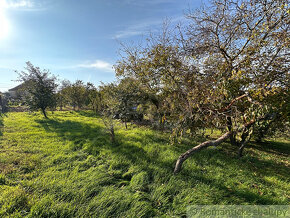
column 98, row 64
column 137, row 29
column 19, row 4
column 29, row 5
column 128, row 33
column 144, row 27
column 148, row 2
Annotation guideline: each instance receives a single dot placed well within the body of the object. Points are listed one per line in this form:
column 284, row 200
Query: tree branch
column 232, row 102
column 201, row 146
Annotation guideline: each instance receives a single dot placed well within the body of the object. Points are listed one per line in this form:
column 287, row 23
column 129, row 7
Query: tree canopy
column 228, row 69
column 39, row 88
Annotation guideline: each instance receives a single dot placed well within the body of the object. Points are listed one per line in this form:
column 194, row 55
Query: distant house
column 16, row 91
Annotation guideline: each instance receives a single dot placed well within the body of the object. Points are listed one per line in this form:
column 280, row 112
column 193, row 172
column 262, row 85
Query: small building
column 16, row 91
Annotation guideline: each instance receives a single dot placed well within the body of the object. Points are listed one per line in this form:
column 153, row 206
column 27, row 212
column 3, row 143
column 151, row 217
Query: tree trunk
column 243, row 145
column 112, row 131
column 246, row 136
column 161, row 121
column 201, row 146
column 230, row 129
column 241, row 149
column 44, row 113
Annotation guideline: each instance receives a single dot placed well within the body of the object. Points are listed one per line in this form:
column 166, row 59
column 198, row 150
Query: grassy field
column 67, row 167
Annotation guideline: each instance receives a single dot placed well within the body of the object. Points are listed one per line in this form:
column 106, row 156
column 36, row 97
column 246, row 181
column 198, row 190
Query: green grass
column 67, row 167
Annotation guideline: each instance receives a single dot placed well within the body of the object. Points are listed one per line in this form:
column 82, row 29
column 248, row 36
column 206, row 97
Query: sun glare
column 4, row 23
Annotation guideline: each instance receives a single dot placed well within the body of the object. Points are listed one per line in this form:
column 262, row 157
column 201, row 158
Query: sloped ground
column 67, row 167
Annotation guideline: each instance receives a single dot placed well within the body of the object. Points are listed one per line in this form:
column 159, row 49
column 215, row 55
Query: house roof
column 16, row 88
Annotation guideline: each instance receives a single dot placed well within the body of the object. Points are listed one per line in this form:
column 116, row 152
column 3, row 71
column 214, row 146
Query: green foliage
column 92, row 97
column 130, row 96
column 63, row 94
column 67, row 167
column 109, row 98
column 38, row 88
column 77, row 94
column 229, row 49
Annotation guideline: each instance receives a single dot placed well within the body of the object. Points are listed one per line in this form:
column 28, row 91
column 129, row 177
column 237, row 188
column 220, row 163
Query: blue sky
column 76, row 39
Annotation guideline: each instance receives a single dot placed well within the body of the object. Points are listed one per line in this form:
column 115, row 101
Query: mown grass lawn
column 67, row 167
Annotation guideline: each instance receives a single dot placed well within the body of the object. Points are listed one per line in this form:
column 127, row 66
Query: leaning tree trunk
column 203, row 145
column 44, row 113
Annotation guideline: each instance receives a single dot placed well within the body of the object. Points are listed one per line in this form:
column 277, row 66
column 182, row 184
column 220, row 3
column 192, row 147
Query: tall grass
column 67, row 167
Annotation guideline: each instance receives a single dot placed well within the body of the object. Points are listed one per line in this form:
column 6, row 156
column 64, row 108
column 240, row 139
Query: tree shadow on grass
column 278, row 148
column 234, row 173
column 87, row 113
column 97, row 138
column 231, row 193
column 249, row 164
column 73, row 131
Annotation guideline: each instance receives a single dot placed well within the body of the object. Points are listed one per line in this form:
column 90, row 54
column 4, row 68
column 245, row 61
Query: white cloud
column 98, row 64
